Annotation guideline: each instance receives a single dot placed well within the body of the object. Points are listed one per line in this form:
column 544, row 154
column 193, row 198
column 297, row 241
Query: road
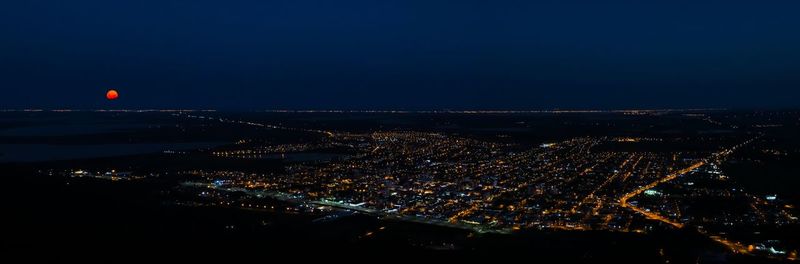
column 733, row 246
column 623, row 201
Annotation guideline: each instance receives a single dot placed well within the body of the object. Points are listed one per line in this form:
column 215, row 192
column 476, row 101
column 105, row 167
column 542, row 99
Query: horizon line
column 387, row 111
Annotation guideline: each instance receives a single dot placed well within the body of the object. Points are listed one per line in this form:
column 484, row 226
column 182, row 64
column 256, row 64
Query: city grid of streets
column 492, row 187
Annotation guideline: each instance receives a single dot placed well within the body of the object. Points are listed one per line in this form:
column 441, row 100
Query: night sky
column 381, row 54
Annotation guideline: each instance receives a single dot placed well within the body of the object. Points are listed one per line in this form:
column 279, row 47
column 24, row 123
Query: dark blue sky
column 304, row 54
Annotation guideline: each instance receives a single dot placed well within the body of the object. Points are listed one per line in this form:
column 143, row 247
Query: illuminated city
column 498, row 183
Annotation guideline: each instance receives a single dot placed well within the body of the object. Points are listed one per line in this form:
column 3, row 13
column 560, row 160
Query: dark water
column 68, row 129
column 45, row 152
column 310, row 156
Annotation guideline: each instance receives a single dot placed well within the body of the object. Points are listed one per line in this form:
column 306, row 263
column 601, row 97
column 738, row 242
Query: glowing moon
column 112, row 94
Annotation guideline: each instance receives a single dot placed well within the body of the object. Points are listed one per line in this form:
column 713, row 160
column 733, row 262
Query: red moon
column 112, row 94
